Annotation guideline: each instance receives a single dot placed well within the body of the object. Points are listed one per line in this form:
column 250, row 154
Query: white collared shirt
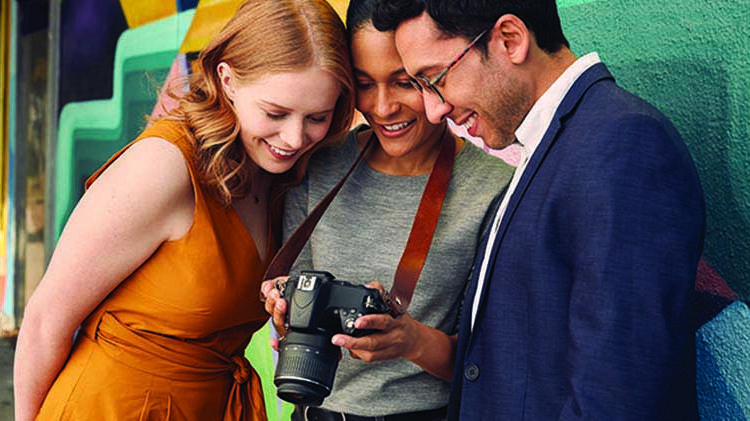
column 529, row 134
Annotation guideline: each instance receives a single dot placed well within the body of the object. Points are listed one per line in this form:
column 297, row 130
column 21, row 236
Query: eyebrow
column 273, row 104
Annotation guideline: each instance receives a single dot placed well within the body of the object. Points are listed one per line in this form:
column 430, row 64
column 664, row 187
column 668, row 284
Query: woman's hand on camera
column 402, row 337
column 396, row 338
column 275, row 304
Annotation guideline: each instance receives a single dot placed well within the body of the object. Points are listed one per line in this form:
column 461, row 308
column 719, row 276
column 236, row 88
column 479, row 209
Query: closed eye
column 406, row 84
column 318, row 120
column 361, row 85
column 274, row 116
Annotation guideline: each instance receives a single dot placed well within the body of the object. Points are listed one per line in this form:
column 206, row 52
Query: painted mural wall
column 688, row 58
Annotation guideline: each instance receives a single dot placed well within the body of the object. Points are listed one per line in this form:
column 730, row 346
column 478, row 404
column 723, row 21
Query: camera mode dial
column 348, row 318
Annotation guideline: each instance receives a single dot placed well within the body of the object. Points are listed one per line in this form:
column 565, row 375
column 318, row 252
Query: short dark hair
column 468, row 18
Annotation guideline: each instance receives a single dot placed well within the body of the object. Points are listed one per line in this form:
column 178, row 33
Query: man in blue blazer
column 579, row 306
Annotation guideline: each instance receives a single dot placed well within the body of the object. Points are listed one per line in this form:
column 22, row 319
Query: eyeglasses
column 421, row 83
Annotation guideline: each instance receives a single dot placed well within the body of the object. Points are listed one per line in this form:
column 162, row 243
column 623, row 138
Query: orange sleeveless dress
column 168, row 342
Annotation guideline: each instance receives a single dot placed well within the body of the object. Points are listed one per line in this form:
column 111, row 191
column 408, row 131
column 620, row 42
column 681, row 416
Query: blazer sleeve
column 635, row 222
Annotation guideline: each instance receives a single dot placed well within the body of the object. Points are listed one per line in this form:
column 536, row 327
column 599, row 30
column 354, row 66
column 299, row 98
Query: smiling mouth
column 281, row 152
column 469, row 123
column 396, row 127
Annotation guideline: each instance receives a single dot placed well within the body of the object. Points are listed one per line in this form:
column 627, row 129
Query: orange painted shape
column 141, row 12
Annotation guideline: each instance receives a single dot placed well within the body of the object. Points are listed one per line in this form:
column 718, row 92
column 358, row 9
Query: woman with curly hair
column 151, row 295
column 403, row 370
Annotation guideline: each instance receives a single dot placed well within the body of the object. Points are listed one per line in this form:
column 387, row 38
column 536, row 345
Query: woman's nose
column 293, row 134
column 385, row 105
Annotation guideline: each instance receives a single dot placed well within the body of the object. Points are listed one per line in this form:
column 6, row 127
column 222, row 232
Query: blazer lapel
column 594, row 74
column 464, row 319
column 471, row 289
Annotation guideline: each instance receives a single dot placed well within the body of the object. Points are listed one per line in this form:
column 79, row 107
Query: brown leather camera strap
column 420, row 238
column 423, row 227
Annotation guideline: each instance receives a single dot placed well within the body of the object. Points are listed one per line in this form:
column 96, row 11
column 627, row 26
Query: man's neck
column 549, row 67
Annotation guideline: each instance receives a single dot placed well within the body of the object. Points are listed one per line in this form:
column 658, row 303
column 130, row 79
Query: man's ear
column 514, row 36
column 227, row 79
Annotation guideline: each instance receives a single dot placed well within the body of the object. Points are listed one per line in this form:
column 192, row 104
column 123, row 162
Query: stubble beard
column 507, row 105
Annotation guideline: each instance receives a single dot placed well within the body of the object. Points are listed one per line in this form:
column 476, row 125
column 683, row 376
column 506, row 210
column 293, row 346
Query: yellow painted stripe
column 141, row 12
column 340, row 7
column 210, row 16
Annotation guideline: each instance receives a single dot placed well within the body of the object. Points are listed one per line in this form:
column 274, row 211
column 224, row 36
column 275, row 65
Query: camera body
column 318, row 302
column 318, row 307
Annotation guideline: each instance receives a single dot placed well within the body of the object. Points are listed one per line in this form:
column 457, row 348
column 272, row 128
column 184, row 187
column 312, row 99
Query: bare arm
column 143, row 199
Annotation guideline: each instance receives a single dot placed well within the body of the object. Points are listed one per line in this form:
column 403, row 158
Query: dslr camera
column 318, row 307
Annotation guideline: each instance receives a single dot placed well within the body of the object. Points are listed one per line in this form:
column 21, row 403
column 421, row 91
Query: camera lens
column 306, row 368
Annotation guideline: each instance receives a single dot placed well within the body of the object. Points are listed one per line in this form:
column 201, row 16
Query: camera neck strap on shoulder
column 422, row 230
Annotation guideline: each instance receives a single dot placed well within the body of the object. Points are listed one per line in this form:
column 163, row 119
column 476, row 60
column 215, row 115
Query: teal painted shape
column 690, row 59
column 568, row 3
column 715, row 399
column 90, row 132
column 727, row 338
column 261, row 357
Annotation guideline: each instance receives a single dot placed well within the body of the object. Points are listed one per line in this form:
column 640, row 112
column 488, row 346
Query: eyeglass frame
column 420, row 82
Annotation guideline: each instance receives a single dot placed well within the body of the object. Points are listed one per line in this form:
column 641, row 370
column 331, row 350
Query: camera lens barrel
column 306, row 368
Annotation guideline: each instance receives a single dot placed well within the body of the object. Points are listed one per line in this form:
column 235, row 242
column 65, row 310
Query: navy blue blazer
column 586, row 309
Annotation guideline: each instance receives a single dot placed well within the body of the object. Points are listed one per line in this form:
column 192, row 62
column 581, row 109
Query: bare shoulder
column 153, row 174
column 152, row 161
column 142, row 199
column 157, row 154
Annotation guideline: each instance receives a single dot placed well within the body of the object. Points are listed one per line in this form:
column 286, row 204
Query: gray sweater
column 361, row 238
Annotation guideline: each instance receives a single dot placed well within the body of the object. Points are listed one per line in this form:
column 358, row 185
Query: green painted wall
column 91, row 131
column 691, row 59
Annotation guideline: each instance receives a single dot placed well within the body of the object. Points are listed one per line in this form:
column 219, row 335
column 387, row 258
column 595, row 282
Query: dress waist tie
column 172, row 358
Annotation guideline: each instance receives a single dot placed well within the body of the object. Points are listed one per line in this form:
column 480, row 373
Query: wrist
column 421, row 339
